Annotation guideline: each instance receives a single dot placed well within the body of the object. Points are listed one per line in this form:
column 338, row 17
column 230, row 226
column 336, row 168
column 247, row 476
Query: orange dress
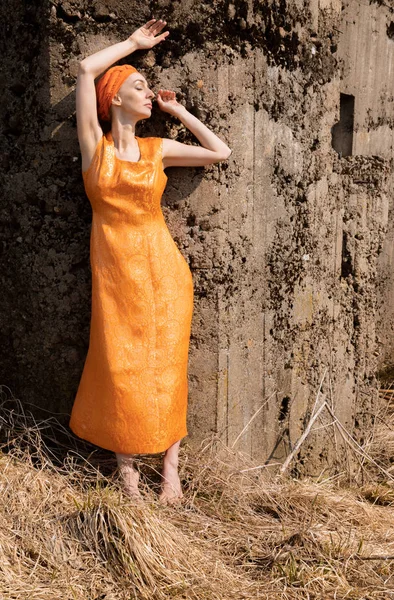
column 132, row 395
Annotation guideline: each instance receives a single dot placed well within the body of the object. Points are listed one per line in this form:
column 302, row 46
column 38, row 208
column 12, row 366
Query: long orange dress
column 132, row 396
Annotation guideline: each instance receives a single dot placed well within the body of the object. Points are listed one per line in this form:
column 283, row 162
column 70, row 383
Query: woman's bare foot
column 171, row 490
column 129, row 475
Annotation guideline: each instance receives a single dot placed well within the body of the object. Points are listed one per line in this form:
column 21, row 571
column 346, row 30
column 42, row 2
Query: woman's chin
column 145, row 115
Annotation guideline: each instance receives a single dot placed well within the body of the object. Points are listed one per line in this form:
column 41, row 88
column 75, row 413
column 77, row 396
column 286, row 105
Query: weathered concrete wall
column 282, row 239
column 367, row 52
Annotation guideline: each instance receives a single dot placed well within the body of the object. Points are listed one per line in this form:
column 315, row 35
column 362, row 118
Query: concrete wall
column 283, row 239
column 366, row 50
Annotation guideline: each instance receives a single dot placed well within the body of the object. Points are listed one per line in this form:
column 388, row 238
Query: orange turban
column 108, row 85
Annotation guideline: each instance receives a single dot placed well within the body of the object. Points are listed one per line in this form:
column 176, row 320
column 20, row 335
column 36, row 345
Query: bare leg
column 171, row 485
column 129, row 475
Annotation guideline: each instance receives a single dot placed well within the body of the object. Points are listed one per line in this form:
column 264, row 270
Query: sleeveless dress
column 132, row 395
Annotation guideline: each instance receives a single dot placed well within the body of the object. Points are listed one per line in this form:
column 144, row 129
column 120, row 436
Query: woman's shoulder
column 153, row 145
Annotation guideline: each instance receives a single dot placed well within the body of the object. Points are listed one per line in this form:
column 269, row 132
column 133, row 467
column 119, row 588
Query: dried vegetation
column 67, row 532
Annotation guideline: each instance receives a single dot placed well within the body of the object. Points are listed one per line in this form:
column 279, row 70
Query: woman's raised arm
column 176, row 154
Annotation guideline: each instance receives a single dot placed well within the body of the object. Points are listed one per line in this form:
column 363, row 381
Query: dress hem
column 118, row 451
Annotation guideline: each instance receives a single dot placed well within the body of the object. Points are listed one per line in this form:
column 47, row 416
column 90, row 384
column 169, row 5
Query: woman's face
column 135, row 96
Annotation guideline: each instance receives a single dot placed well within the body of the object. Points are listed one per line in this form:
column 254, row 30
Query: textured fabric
column 132, row 396
column 108, row 85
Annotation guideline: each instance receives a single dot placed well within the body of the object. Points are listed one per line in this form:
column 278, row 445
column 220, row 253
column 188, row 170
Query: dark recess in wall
column 342, row 132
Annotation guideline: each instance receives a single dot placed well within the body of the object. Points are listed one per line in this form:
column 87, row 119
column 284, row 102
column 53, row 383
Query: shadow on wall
column 45, row 215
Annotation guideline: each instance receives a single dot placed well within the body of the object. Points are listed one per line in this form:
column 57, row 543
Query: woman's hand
column 168, row 103
column 144, row 37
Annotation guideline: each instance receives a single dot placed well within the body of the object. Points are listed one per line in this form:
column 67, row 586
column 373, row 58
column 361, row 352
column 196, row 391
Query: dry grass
column 67, row 532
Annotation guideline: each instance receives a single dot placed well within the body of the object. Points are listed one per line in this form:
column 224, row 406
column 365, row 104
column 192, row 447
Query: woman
column 132, row 396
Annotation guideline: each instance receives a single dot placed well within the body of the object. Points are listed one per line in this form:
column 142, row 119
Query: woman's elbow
column 225, row 155
column 83, row 66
